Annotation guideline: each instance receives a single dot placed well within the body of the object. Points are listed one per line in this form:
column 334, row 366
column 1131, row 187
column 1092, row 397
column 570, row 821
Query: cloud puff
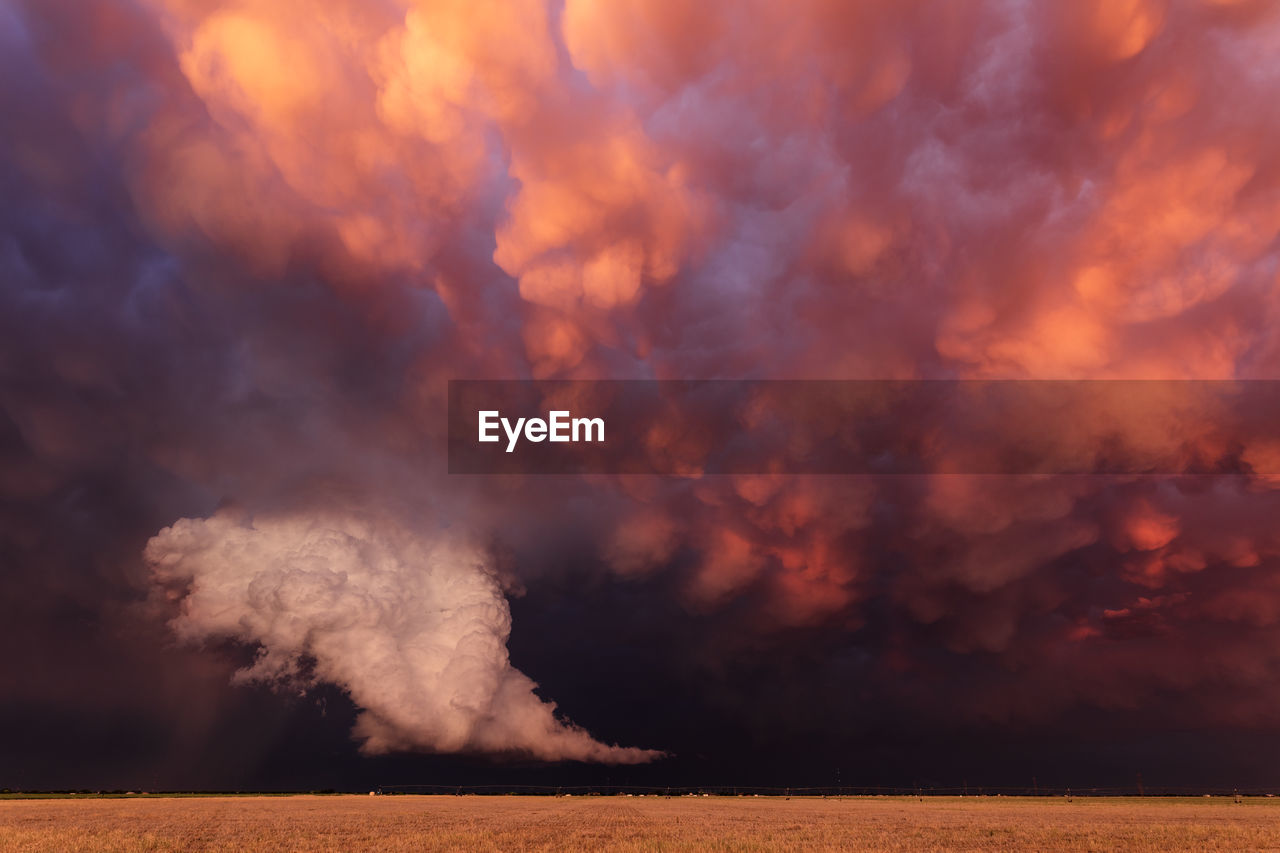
column 414, row 629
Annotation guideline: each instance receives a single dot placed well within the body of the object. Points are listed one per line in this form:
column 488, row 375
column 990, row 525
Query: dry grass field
column 404, row 823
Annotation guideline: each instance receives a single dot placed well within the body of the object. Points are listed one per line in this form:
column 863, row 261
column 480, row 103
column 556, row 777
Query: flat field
column 404, row 823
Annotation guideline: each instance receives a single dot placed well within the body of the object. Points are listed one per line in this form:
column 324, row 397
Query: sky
column 245, row 245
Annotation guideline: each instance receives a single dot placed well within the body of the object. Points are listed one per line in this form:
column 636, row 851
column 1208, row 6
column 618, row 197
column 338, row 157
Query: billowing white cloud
column 414, row 627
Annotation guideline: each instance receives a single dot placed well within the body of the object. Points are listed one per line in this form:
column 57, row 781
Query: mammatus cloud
column 340, row 204
column 415, row 630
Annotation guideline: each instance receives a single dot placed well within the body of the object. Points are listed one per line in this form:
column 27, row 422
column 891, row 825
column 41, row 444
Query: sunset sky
column 245, row 244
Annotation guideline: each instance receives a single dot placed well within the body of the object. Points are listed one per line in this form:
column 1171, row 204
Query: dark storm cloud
column 244, row 245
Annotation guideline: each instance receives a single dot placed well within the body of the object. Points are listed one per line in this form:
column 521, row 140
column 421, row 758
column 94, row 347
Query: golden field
column 404, row 823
